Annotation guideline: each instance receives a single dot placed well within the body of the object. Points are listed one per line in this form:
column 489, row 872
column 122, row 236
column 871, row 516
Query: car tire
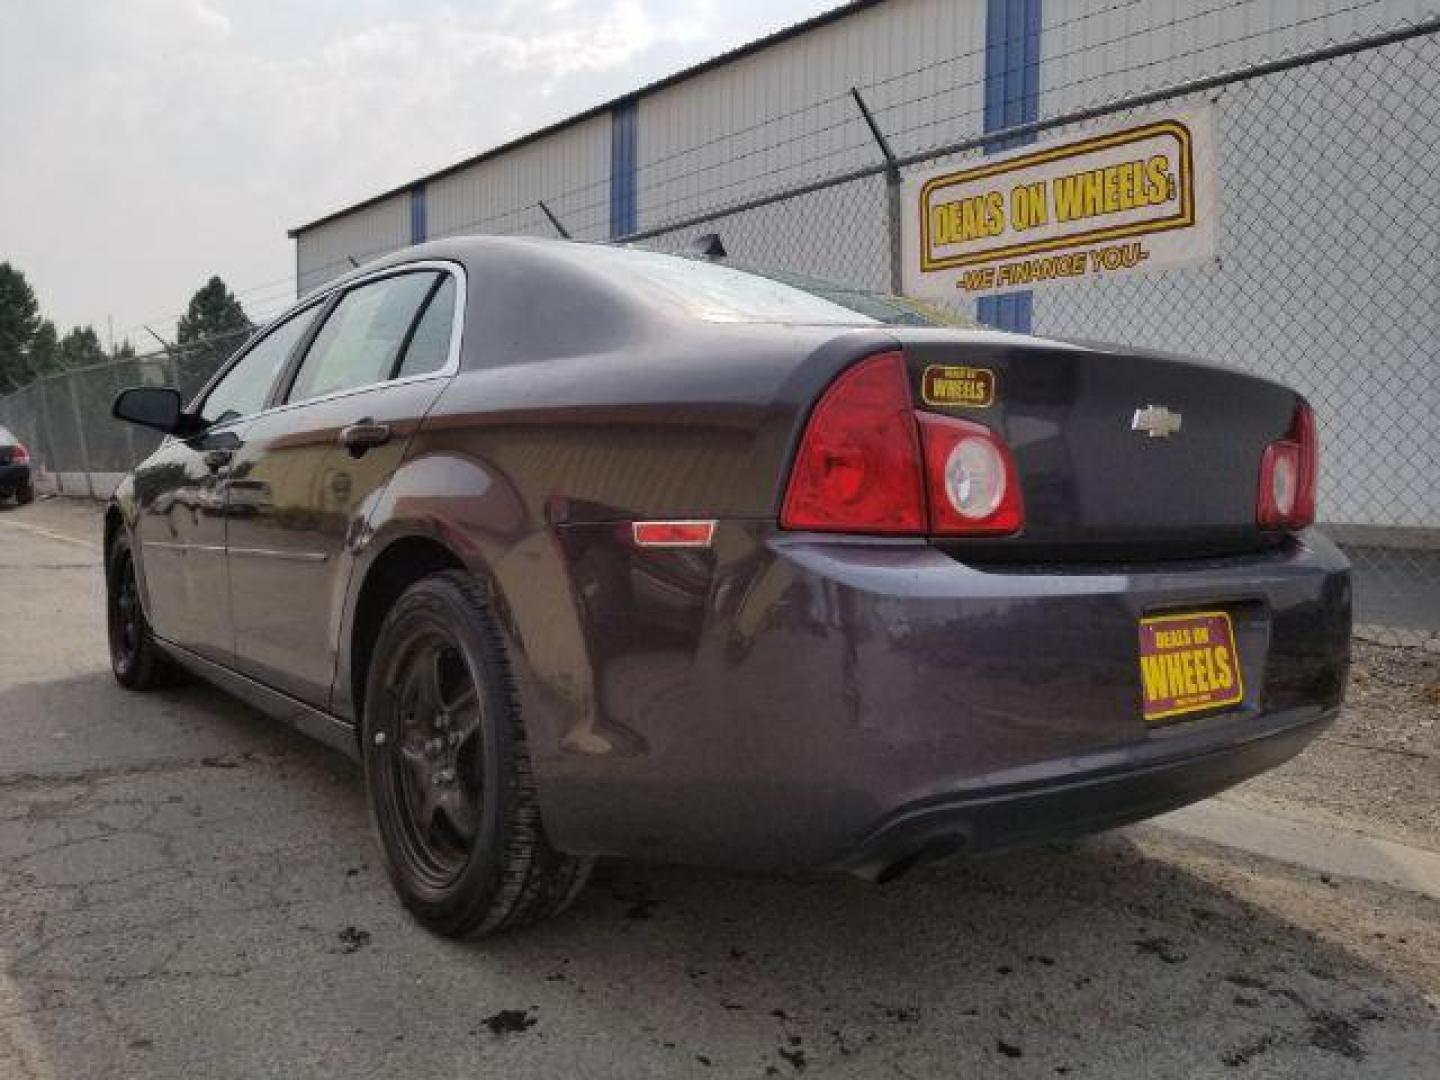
column 447, row 770
column 25, row 495
column 135, row 658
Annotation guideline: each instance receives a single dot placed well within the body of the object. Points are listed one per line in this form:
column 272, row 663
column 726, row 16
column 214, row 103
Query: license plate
column 1188, row 664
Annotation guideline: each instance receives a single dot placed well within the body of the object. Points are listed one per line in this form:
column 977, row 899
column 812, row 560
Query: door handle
column 217, row 459
column 363, row 434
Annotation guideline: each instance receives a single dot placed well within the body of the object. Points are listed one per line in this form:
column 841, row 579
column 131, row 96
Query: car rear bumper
column 14, row 477
column 823, row 702
column 1088, row 800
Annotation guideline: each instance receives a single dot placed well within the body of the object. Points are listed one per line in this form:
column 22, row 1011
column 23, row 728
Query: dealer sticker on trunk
column 1188, row 663
column 944, row 384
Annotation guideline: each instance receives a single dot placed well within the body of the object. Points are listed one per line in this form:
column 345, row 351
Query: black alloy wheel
column 447, row 769
column 134, row 657
column 437, row 757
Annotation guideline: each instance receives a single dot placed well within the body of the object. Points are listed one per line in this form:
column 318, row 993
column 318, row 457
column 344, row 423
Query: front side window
column 361, row 340
column 244, row 388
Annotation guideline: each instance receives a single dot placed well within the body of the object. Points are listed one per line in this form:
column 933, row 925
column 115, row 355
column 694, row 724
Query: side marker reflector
column 684, row 534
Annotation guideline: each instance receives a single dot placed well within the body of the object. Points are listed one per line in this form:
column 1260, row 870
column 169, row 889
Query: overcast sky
column 146, row 144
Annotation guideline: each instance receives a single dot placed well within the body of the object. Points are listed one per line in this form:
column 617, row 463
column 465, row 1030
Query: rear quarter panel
column 520, row 467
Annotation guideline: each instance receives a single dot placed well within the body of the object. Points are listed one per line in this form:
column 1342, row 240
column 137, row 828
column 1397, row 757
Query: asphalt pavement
column 189, row 890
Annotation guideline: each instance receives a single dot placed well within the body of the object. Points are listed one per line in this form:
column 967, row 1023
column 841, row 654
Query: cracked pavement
column 191, row 890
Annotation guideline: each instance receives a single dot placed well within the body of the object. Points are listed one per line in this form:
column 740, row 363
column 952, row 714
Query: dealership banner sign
column 1134, row 197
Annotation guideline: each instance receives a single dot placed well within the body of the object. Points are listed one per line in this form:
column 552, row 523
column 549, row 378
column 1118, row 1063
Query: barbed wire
column 581, row 218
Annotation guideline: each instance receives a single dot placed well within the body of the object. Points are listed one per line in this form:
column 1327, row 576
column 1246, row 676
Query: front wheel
column 134, row 657
column 447, row 771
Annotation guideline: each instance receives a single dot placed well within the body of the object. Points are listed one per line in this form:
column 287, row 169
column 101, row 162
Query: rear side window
column 429, row 346
column 361, row 340
column 245, row 386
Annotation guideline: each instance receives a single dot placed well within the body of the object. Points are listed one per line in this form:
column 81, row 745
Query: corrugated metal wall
column 758, row 123
column 784, row 115
column 325, row 251
column 569, row 169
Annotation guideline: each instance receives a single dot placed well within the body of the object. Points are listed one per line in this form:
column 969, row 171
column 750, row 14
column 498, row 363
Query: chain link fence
column 65, row 419
column 1329, row 233
column 1329, row 239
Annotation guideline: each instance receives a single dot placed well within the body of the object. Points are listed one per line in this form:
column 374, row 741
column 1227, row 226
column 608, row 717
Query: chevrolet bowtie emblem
column 1156, row 421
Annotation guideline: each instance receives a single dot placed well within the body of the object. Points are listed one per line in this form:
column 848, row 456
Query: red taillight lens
column 971, row 479
column 1289, row 469
column 858, row 468
column 19, row 455
column 869, row 463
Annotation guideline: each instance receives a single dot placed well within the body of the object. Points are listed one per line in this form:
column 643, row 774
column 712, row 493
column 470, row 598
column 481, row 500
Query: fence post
column 80, row 434
column 892, row 193
column 51, row 457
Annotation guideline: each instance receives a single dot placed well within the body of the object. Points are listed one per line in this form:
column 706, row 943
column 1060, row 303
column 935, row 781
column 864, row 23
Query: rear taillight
column 858, row 469
column 19, row 455
column 869, row 463
column 971, row 479
column 1288, row 472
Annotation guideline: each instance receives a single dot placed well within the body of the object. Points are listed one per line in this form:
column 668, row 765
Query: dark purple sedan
column 588, row 551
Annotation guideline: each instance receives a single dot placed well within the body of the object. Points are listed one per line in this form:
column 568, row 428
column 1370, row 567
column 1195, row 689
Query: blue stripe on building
column 419, row 227
column 1012, row 96
column 624, row 128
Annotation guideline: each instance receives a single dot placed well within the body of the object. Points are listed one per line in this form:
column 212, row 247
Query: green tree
column 213, row 313
column 43, row 357
column 213, row 327
column 19, row 322
column 80, row 348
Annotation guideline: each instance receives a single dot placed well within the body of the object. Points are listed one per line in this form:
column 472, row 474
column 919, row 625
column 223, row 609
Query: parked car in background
column 591, row 551
column 15, row 479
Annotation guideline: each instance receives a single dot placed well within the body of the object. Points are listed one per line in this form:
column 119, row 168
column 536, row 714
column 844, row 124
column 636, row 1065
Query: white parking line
column 49, row 535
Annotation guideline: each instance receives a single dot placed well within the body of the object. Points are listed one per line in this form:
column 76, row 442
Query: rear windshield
column 726, row 292
column 7, row 439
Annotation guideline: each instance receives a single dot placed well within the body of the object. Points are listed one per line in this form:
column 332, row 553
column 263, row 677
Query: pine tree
column 213, row 327
column 19, row 323
column 80, row 348
column 213, row 313
column 43, row 356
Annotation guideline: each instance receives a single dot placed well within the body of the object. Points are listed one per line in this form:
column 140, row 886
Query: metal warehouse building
column 1329, row 210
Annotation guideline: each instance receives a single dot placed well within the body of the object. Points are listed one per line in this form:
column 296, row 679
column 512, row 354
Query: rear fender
column 469, row 509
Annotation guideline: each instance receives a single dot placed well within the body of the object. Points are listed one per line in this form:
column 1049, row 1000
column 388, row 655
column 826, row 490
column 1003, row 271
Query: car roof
column 469, row 250
column 547, row 297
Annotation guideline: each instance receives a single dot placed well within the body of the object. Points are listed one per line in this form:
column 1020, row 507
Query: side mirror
column 157, row 407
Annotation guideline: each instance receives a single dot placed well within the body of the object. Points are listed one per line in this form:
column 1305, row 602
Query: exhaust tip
column 936, row 849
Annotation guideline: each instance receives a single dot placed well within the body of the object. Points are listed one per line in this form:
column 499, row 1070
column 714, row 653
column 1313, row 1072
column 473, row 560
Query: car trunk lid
column 1119, row 453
